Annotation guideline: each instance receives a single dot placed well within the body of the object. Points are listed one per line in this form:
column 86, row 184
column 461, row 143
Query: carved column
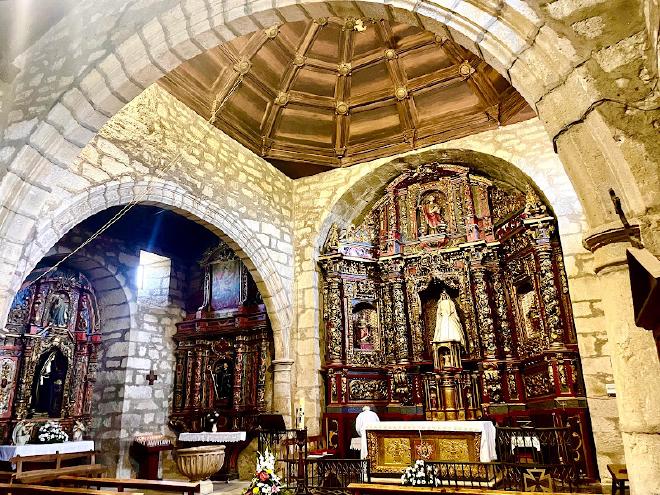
column 482, row 302
column 400, row 327
column 501, row 309
column 282, row 389
column 334, row 320
column 388, row 324
column 541, row 230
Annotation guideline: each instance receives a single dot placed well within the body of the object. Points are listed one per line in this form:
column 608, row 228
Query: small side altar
column 9, row 451
column 391, row 446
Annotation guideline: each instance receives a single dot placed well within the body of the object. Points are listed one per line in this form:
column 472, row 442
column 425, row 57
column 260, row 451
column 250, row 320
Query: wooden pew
column 185, row 487
column 7, row 489
column 36, row 476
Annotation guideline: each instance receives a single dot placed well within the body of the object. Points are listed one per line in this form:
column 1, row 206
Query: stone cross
column 151, row 377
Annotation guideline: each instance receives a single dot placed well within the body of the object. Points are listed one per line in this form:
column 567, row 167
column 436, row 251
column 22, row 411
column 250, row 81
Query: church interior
column 330, row 247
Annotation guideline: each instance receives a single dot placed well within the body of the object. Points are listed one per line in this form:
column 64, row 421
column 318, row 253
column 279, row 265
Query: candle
column 301, row 413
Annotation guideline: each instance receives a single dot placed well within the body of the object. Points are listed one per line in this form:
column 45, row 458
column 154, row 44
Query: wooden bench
column 7, row 489
column 120, row 484
column 42, row 475
column 619, row 474
column 392, row 489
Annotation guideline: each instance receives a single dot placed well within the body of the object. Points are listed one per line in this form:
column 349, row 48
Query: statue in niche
column 48, row 385
column 58, row 314
column 223, row 382
column 433, row 211
column 365, row 322
column 448, row 326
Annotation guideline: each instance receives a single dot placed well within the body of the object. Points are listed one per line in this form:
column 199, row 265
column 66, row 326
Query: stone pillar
column 634, row 361
column 282, row 389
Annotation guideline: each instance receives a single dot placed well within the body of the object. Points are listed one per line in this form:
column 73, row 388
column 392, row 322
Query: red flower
column 263, row 476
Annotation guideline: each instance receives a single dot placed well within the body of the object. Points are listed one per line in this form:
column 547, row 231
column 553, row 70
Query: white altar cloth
column 487, row 452
column 213, row 437
column 9, row 451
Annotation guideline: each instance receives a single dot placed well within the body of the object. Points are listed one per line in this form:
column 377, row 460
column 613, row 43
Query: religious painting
column 226, row 284
column 365, row 326
column 58, row 310
column 529, row 311
column 20, row 306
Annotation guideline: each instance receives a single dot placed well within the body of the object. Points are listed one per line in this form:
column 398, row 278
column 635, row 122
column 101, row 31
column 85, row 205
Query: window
column 153, row 278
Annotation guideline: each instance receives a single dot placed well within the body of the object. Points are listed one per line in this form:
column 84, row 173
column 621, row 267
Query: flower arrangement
column 265, row 481
column 419, row 474
column 52, row 432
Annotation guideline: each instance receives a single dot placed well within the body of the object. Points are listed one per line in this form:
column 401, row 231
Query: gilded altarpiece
column 491, row 250
column 48, row 353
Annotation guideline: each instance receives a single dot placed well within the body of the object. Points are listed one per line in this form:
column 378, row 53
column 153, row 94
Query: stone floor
column 231, row 488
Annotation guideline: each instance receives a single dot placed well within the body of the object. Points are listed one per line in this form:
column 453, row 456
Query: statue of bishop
column 448, row 326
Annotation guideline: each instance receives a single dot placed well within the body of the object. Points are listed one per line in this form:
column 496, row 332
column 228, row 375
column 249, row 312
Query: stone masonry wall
column 136, row 338
column 527, row 147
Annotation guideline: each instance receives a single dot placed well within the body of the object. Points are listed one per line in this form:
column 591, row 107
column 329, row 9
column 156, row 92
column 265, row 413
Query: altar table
column 9, row 451
column 394, row 445
column 213, row 437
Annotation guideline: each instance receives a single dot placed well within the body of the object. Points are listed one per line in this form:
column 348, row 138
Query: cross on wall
column 151, row 377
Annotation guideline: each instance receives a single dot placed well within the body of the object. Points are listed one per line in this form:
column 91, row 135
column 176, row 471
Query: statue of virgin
column 448, row 326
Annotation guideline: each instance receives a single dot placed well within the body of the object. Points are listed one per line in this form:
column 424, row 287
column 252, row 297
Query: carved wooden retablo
column 490, row 251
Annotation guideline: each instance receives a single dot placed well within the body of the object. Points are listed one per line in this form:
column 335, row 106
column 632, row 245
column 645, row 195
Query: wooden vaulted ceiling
column 331, row 92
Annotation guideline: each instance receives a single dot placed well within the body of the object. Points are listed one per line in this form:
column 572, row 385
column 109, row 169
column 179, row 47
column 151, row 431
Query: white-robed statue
column 448, row 326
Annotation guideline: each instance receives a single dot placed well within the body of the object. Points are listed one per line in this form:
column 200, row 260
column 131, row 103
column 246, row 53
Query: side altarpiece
column 223, row 349
column 48, row 353
column 449, row 301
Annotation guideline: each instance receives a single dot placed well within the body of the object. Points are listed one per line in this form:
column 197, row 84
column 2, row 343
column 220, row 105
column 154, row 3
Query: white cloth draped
column 487, row 451
column 213, row 437
column 9, row 451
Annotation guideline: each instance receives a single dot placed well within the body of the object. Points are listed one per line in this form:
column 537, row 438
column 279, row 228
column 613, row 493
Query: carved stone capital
column 609, row 243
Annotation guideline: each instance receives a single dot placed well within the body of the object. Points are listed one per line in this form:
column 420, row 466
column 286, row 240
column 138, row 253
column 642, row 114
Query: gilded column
column 399, row 317
column 334, row 320
column 541, row 230
column 502, row 313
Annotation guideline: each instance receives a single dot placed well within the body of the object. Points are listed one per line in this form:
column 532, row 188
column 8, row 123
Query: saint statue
column 433, row 214
column 223, row 381
column 22, row 433
column 59, row 312
column 448, row 326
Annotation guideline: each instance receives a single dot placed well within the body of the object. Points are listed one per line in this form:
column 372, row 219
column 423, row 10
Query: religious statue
column 78, row 431
column 21, row 434
column 58, row 314
column 223, row 381
column 433, row 214
column 448, row 326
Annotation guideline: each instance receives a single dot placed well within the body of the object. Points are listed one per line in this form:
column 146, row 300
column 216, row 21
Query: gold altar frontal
column 390, row 452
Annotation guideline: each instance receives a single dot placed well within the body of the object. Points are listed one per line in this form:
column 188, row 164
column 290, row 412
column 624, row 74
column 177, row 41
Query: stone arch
column 227, row 225
column 512, row 37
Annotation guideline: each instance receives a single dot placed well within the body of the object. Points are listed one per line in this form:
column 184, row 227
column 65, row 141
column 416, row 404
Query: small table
column 9, row 451
column 238, row 439
column 619, row 474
